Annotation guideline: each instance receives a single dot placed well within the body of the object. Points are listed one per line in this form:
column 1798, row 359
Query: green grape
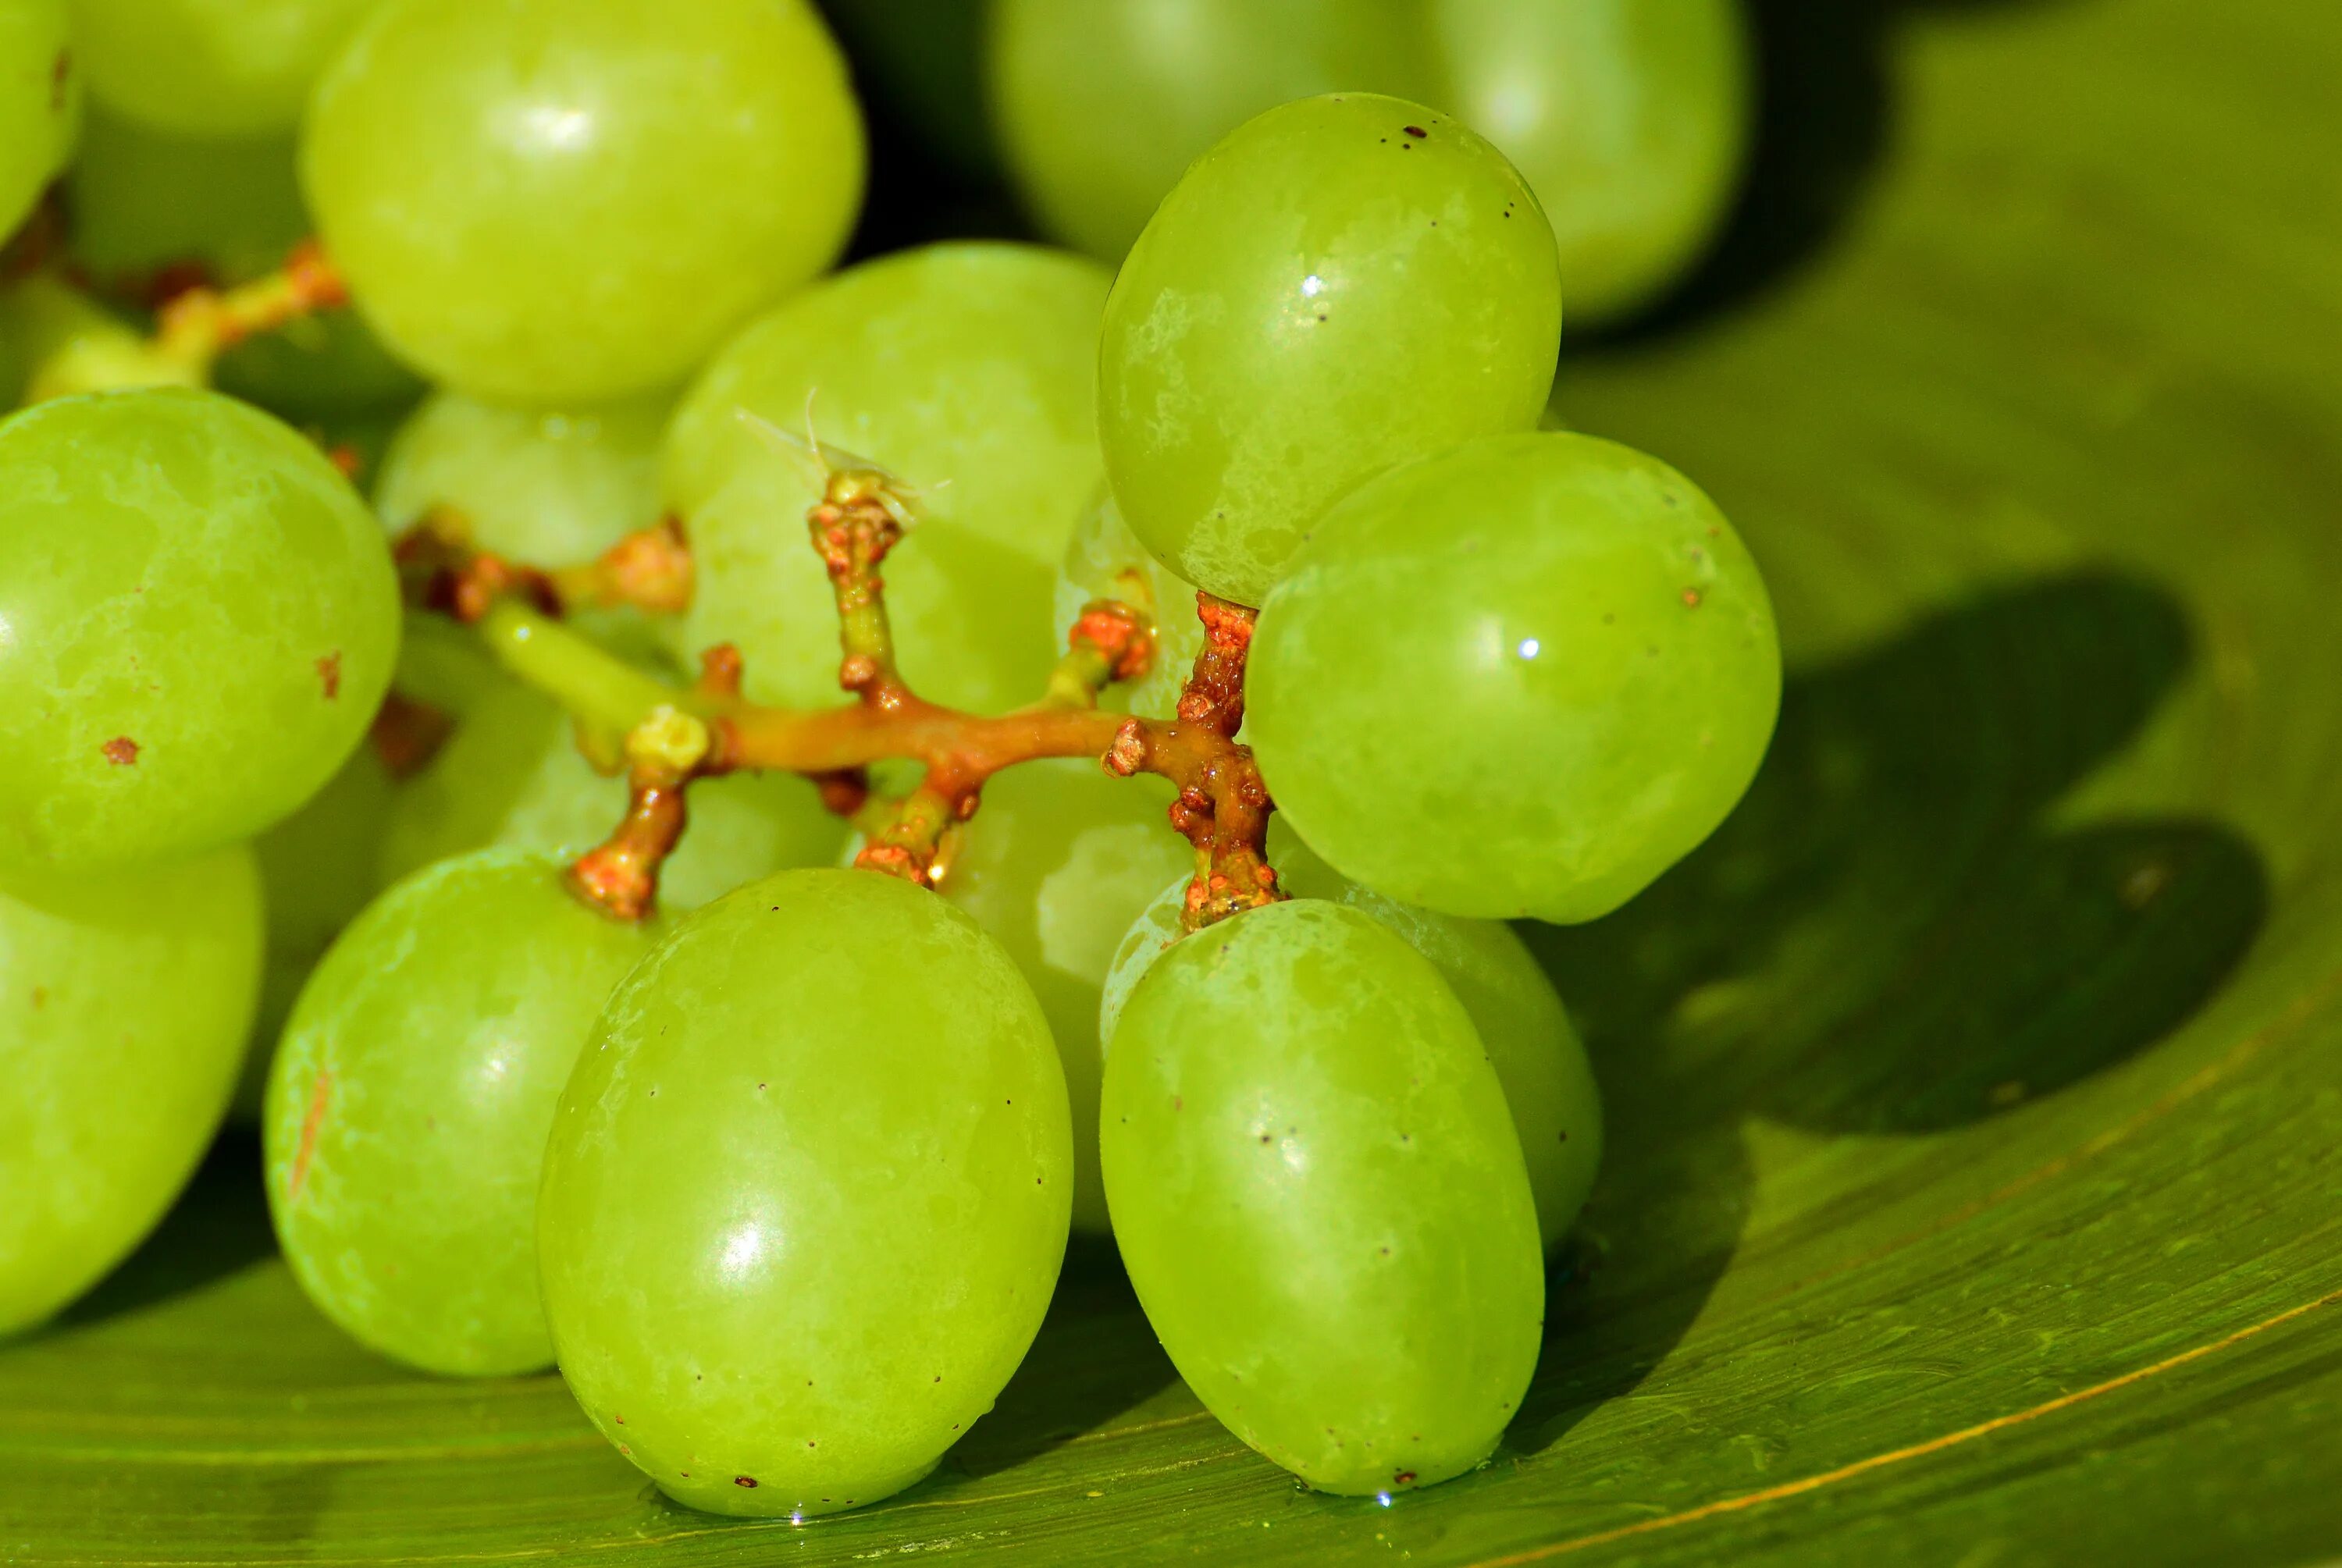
column 1522, row 678
column 1343, row 283
column 1548, row 1083
column 966, row 370
column 1629, row 121
column 806, row 1194
column 571, row 201
column 1320, row 1199
column 1105, row 561
column 125, row 997
column 1055, row 866
column 317, row 868
column 40, row 103
column 512, row 775
column 200, row 620
column 146, row 200
column 65, row 342
column 1100, row 109
column 408, row 1108
column 215, row 68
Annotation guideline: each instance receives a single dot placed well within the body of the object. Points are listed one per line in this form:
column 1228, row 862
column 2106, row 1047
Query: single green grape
column 1549, row 1083
column 1105, row 561
column 201, row 619
column 1061, row 859
column 1522, row 678
column 40, row 103
column 571, row 201
column 1319, row 1196
column 806, row 1195
column 408, row 1108
column 317, row 869
column 214, row 68
column 550, row 488
column 1630, row 121
column 967, row 371
column 144, row 201
column 1343, row 283
column 1101, row 108
column 125, row 1000
column 512, row 775
column 64, row 343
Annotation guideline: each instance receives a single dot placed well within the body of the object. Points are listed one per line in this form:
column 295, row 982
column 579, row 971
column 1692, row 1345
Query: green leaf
column 1975, row 1192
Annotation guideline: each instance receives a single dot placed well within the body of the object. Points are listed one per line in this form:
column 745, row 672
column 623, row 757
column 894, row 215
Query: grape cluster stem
column 665, row 738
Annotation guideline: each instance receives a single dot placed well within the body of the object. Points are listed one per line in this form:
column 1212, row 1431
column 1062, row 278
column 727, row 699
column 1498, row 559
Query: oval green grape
column 215, row 68
column 570, row 201
column 408, row 1108
column 511, row 777
column 1548, row 1083
column 966, row 370
column 1320, row 1198
column 201, row 619
column 125, row 1000
column 1343, row 283
column 807, row 1196
column 1062, row 858
column 40, row 102
column 1531, row 701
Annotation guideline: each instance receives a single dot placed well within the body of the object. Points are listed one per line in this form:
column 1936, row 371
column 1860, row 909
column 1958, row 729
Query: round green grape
column 211, row 69
column 1319, row 1196
column 1343, row 283
column 409, row 1105
column 1629, row 120
column 512, row 775
column 200, row 619
column 40, row 103
column 1100, row 109
column 806, row 1194
column 1522, row 678
column 145, row 200
column 1105, row 561
column 125, row 1000
column 967, row 371
column 1549, row 1083
column 570, row 201
column 317, row 869
column 1061, row 859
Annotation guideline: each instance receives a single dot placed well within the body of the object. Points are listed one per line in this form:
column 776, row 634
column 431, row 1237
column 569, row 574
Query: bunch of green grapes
column 1629, row 120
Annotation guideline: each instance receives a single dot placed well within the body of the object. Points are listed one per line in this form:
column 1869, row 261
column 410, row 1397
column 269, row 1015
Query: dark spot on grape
column 619, row 1419
column 760, row 1088
column 329, row 675
column 939, row 1377
column 1385, row 1252
column 1418, row 132
column 1402, row 1477
column 1179, row 1103
column 1264, row 1138
column 809, row 1443
column 1691, row 598
column 1564, row 1135
column 60, row 72
column 748, row 1481
column 121, row 751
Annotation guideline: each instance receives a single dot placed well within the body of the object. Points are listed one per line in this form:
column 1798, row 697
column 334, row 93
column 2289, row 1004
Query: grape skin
column 211, row 69
column 201, row 619
column 1060, row 860
column 1629, row 120
column 967, row 371
column 806, row 1194
column 1548, row 1083
column 124, row 1000
column 408, row 1111
column 40, row 103
column 569, row 201
column 1318, row 1191
column 1343, row 283
column 1531, row 705
column 512, row 776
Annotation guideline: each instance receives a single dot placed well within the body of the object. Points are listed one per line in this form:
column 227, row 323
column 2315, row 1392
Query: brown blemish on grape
column 1402, row 1477
column 329, row 674
column 60, row 74
column 1691, row 598
column 1418, row 132
column 121, row 751
column 749, row 1480
column 311, row 1124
